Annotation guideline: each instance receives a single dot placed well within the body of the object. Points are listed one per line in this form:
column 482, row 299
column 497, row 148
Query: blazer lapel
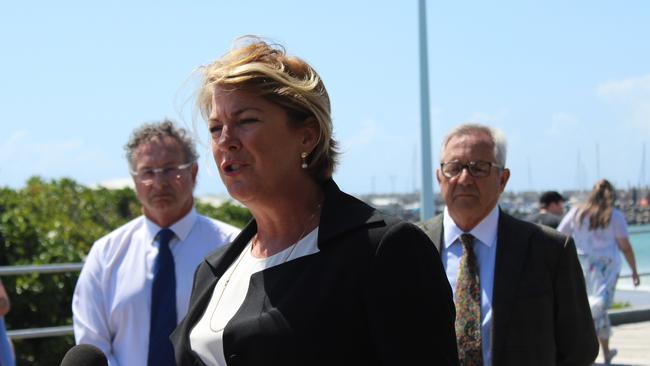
column 342, row 213
column 218, row 261
column 205, row 281
column 512, row 245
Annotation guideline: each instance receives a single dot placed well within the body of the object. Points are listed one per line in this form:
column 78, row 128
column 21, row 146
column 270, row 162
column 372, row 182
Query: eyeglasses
column 147, row 176
column 477, row 169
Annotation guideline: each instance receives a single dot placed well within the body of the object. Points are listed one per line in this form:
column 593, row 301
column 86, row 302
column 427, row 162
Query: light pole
column 426, row 196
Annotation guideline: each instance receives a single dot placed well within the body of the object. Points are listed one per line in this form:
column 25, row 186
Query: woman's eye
column 248, row 120
column 215, row 130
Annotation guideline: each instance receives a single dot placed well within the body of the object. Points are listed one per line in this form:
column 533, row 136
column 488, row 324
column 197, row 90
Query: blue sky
column 561, row 79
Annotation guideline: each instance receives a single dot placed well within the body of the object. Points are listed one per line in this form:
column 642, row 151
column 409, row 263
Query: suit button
column 233, row 359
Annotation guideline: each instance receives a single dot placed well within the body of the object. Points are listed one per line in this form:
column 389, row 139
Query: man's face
column 469, row 199
column 168, row 197
column 556, row 208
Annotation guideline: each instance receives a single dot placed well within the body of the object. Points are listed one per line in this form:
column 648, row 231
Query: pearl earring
column 303, row 156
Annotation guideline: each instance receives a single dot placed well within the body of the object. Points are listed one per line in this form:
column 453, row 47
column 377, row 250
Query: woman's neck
column 285, row 220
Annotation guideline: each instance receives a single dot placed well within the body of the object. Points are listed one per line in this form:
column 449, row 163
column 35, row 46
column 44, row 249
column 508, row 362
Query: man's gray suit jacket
column 540, row 311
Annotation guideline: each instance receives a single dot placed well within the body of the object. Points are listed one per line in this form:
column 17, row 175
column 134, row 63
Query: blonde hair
column 256, row 65
column 599, row 205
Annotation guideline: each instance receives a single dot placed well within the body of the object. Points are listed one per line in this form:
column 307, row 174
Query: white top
column 600, row 242
column 485, row 249
column 112, row 298
column 206, row 338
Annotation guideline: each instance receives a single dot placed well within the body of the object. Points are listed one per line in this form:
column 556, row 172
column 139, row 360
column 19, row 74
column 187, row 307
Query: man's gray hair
column 497, row 137
column 151, row 131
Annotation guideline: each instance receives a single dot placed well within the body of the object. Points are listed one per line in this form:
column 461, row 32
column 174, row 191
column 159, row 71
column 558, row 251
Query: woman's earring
column 303, row 156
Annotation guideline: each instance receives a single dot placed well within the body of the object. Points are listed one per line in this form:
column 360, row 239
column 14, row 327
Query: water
column 640, row 239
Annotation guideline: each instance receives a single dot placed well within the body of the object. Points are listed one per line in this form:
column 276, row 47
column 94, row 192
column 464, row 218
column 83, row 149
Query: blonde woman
column 318, row 277
column 600, row 232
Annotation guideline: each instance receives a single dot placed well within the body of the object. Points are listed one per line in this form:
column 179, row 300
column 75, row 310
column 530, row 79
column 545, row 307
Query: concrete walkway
column 631, row 330
column 633, row 344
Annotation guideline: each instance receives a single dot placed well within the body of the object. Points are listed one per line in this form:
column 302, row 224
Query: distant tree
column 227, row 212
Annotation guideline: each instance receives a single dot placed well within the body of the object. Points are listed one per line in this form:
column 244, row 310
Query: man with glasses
column 518, row 289
column 135, row 285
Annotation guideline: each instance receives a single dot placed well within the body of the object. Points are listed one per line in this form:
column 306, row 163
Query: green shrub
column 227, row 212
column 620, row 305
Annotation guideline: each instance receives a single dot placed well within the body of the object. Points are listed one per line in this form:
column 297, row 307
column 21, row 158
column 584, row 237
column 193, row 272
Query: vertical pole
column 426, row 196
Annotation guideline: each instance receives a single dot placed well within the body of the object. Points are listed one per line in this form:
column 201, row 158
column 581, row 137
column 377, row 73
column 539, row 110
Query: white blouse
column 206, row 338
column 599, row 242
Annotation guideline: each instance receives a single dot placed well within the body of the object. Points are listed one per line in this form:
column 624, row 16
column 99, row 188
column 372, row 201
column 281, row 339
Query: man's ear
column 195, row 171
column 505, row 175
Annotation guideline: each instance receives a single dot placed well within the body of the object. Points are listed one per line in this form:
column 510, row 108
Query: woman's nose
column 228, row 139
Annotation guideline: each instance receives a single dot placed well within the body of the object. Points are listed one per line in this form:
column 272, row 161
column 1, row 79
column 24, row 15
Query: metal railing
column 74, row 267
column 47, row 268
column 62, row 330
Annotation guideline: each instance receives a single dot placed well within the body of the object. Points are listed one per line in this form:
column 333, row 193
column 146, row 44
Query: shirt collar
column 181, row 228
column 485, row 231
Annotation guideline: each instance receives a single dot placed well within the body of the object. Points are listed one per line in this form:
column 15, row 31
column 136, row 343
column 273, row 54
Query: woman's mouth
column 231, row 168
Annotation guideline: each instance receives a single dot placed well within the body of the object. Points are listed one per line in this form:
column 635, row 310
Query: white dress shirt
column 485, row 249
column 112, row 298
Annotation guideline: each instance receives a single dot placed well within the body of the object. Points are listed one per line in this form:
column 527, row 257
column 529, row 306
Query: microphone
column 84, row 355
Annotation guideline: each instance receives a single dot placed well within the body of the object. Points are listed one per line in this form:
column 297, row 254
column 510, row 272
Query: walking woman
column 600, row 232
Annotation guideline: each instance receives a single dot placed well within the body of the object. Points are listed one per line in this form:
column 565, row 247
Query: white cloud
column 488, row 118
column 625, row 88
column 630, row 100
column 367, row 134
column 561, row 122
column 21, row 146
column 375, row 135
column 377, row 157
column 12, row 146
column 564, row 118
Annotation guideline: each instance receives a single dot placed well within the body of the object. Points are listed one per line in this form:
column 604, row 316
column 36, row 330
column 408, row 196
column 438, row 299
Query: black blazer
column 540, row 311
column 375, row 294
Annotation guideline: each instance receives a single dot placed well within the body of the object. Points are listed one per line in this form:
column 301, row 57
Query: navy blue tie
column 163, row 304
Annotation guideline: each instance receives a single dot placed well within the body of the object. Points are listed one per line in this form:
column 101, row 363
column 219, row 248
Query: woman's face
column 255, row 149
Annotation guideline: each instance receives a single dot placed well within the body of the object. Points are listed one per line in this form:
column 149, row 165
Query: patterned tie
column 468, row 306
column 163, row 304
